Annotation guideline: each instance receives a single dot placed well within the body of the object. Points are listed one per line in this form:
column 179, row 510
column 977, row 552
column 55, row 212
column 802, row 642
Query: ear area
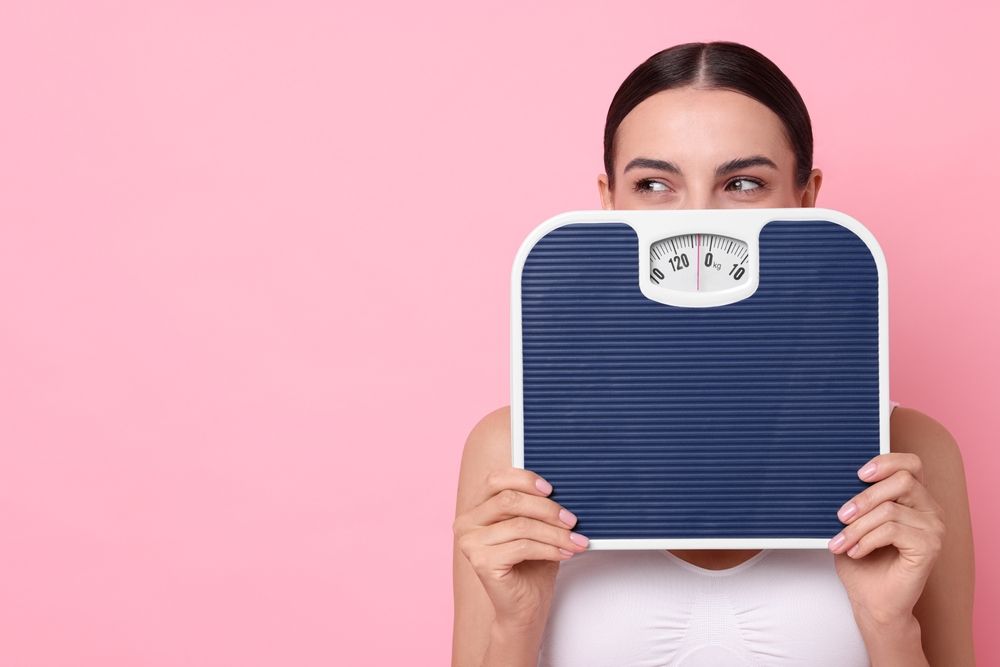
column 607, row 201
column 811, row 190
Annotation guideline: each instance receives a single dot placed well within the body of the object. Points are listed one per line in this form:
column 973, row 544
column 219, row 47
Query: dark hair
column 720, row 65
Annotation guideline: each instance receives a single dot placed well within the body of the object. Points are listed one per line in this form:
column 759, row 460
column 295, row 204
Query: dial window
column 699, row 262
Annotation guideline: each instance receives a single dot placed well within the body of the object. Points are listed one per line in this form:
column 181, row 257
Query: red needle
column 697, row 267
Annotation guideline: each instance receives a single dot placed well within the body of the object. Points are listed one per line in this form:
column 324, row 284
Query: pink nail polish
column 837, row 542
column 847, row 511
column 579, row 539
column 567, row 517
column 868, row 470
column 543, row 486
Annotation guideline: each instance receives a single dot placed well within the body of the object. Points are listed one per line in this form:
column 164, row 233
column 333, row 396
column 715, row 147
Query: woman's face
column 697, row 148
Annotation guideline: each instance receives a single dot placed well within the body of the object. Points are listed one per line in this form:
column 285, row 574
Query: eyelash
column 638, row 187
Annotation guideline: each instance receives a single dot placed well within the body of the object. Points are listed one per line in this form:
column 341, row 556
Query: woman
column 715, row 125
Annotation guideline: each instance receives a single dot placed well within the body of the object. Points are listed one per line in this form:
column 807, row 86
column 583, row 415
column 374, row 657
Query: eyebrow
column 723, row 169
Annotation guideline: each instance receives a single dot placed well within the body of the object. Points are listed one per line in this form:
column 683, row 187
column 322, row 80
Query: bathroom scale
column 708, row 378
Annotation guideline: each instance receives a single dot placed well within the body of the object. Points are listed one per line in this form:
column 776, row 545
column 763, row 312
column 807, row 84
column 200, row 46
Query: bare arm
column 509, row 540
column 944, row 609
column 484, row 449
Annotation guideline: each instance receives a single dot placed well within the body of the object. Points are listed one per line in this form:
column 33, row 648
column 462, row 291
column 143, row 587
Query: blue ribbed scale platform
column 747, row 420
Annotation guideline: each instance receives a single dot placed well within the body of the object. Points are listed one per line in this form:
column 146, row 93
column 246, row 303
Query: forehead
column 701, row 127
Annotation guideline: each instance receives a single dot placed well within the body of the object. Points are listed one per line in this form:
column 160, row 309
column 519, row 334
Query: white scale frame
column 654, row 225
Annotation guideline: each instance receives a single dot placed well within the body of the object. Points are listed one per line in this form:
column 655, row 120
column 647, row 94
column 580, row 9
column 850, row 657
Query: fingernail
column 854, row 550
column 543, row 486
column 868, row 470
column 564, row 552
column 837, row 542
column 579, row 539
column 847, row 511
column 567, row 517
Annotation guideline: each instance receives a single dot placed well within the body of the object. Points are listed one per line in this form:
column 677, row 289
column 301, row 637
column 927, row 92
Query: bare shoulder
column 489, row 440
column 493, row 426
column 486, row 448
column 917, row 433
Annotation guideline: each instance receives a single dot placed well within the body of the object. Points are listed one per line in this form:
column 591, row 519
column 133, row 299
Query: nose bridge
column 699, row 195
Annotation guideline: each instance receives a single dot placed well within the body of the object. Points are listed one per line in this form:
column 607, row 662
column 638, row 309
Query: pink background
column 254, row 263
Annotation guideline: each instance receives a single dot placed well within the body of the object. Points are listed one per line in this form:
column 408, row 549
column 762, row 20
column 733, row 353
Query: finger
column 887, row 512
column 507, row 555
column 884, row 465
column 501, row 557
column 510, row 503
column 901, row 487
column 521, row 527
column 519, row 479
column 913, row 544
column 499, row 480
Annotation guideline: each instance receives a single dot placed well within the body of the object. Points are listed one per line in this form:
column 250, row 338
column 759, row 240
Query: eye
column 649, row 185
column 744, row 184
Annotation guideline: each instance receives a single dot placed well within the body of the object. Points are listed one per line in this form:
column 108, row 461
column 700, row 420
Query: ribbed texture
column 744, row 420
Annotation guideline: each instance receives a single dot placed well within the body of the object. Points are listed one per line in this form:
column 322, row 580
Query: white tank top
column 645, row 608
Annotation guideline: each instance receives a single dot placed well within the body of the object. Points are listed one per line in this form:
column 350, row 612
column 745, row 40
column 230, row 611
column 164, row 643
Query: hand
column 892, row 539
column 515, row 539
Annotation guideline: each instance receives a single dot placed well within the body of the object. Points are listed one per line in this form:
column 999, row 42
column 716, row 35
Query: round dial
column 698, row 262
